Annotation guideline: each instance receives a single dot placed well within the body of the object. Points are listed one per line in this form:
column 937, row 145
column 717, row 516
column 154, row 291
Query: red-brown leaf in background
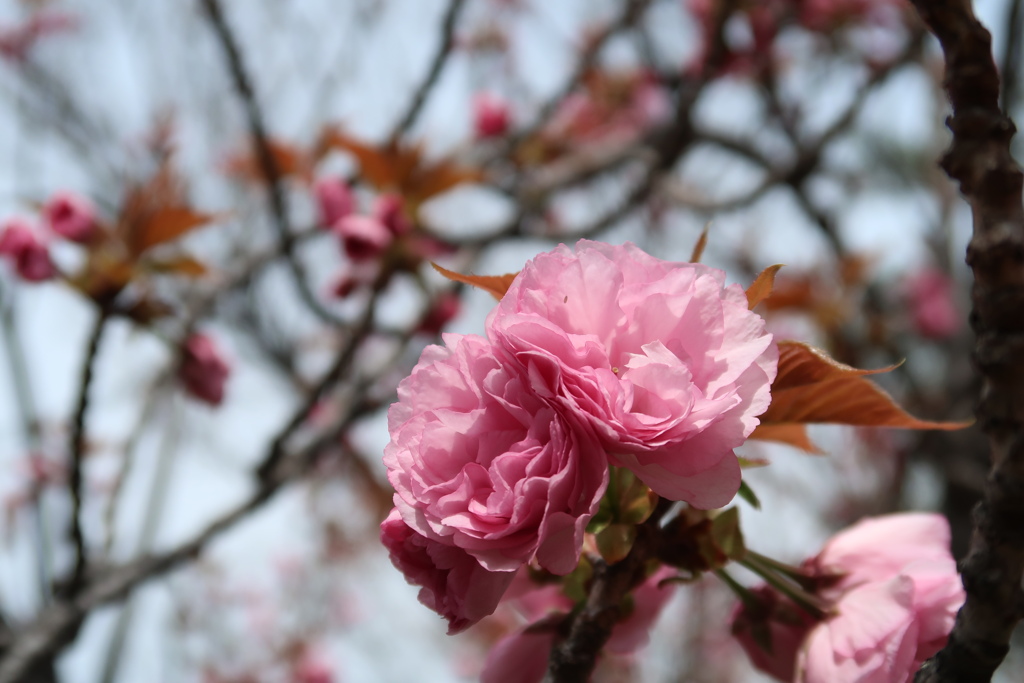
column 811, row 387
column 401, row 169
column 156, row 212
column 761, row 288
column 289, row 160
column 495, row 285
column 698, row 248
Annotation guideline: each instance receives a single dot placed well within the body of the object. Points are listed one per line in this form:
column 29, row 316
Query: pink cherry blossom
column 661, row 359
column 389, row 210
column 522, row 656
column 441, row 313
column 363, row 237
column 933, row 309
column 893, row 592
column 453, row 583
column 71, row 216
column 482, row 463
column 334, row 200
column 26, row 253
column 783, row 623
column 490, row 116
column 203, row 370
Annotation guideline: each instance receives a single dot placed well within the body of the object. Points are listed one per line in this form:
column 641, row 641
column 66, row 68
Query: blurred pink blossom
column 334, row 200
column 389, row 210
column 203, row 369
column 25, row 251
column 16, row 41
column 662, row 360
column 441, row 312
column 490, row 116
column 893, row 590
column 363, row 237
column 933, row 307
column 312, row 668
column 71, row 216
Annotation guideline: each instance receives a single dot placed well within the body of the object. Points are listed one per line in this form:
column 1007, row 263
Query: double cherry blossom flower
column 500, row 446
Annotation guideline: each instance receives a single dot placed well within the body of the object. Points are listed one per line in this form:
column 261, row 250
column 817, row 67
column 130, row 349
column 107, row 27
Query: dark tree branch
column 444, row 49
column 74, row 583
column 1012, row 56
column 979, row 159
column 265, row 158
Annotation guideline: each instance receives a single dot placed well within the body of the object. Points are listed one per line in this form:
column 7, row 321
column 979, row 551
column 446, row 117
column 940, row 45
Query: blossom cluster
column 66, row 215
column 501, row 445
column 892, row 592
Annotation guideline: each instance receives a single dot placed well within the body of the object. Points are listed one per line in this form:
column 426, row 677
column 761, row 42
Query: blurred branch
column 444, row 49
column 1012, row 56
column 631, row 11
column 980, row 160
column 78, row 448
column 265, row 157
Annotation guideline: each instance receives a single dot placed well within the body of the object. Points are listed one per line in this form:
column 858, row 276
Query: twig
column 980, row 160
column 444, row 49
column 78, row 453
column 265, row 157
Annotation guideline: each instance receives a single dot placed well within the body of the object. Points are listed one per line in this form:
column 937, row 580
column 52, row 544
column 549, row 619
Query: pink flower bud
column 28, row 255
column 203, row 369
column 388, row 210
column 490, row 116
column 933, row 308
column 312, row 669
column 363, row 237
column 440, row 314
column 71, row 216
column 334, row 200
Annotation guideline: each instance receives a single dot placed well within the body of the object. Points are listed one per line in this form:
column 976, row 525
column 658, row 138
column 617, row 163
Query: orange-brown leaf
column 812, row 387
column 788, row 433
column 288, row 161
column 698, row 248
column 167, row 224
column 761, row 288
column 495, row 285
column 181, row 265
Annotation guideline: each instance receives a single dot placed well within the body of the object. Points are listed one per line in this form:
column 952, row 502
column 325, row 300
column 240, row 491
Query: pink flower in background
column 442, row 312
column 16, row 41
column 522, row 656
column 312, row 668
column 490, row 116
column 363, row 237
column 453, row 583
column 785, row 625
column 933, row 308
column 389, row 210
column 661, row 359
column 26, row 253
column 71, row 216
column 203, row 369
column 334, row 200
column 481, row 463
column 894, row 592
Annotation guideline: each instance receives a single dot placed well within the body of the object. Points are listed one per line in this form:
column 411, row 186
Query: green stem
column 795, row 573
column 807, row 602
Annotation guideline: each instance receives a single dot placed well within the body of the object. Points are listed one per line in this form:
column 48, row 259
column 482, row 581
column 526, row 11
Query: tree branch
column 436, row 66
column 265, row 158
column 979, row 159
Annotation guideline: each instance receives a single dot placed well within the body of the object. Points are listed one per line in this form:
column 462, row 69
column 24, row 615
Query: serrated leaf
column 791, row 434
column 811, row 387
column 289, row 160
column 747, row 494
column 761, row 288
column 167, row 224
column 495, row 285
